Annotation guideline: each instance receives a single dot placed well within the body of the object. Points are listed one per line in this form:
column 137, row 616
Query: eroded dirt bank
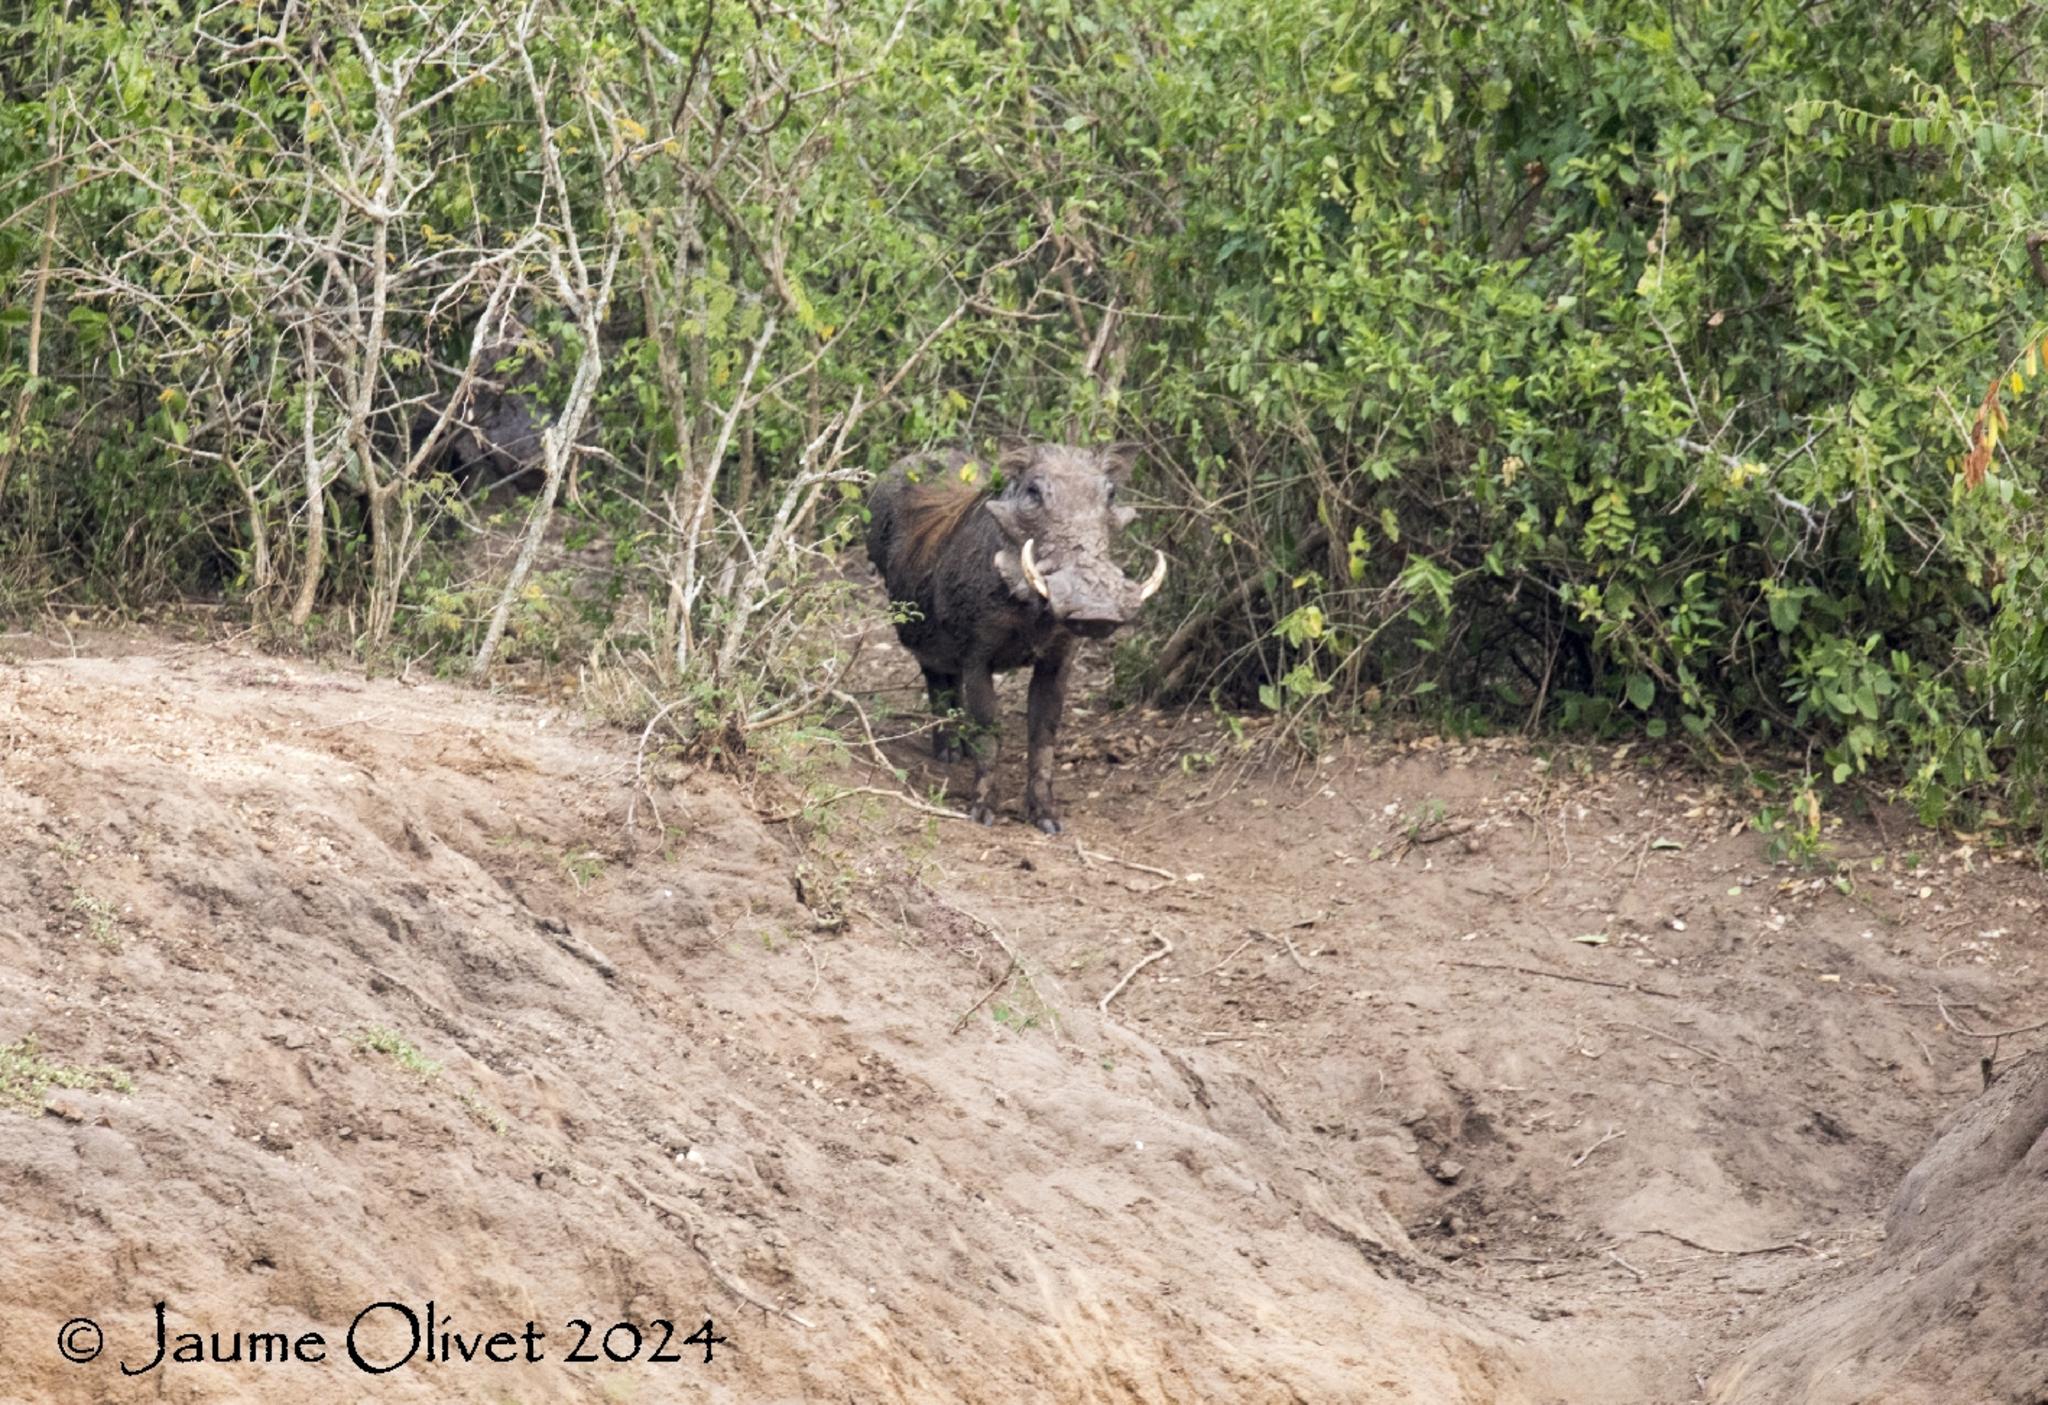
column 366, row 991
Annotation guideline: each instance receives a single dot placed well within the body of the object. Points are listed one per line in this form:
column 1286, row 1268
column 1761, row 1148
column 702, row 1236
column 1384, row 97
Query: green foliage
column 25, row 1076
column 377, row 1039
column 1613, row 370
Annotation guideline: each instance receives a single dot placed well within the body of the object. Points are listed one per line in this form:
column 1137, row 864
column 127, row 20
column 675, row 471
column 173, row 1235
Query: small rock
column 1448, row 1170
column 65, row 1105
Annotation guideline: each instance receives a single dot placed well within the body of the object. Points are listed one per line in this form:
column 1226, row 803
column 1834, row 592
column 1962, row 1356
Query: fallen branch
column 1614, row 1134
column 640, row 786
column 1233, row 955
column 1165, row 949
column 1567, row 976
column 1668, row 1038
column 994, row 934
column 1640, row 1275
column 843, row 792
column 1966, row 1031
column 1285, row 941
column 1738, row 1253
column 1087, row 854
column 727, row 1281
column 1001, row 981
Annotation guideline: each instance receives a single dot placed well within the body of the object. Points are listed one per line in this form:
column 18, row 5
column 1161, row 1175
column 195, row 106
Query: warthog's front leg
column 1048, row 702
column 944, row 691
column 978, row 696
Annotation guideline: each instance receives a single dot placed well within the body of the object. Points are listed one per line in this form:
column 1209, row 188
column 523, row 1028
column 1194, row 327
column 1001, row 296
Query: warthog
column 988, row 582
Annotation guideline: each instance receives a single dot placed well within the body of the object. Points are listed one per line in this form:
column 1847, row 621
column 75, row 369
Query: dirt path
column 1468, row 1075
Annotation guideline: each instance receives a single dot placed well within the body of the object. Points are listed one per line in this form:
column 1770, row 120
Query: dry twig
column 1233, row 955
column 1668, row 1038
column 1087, row 854
column 1001, row 981
column 1993, row 1034
column 1165, row 949
column 1640, row 1275
column 691, row 1236
column 1613, row 1134
column 1285, row 941
column 1566, row 976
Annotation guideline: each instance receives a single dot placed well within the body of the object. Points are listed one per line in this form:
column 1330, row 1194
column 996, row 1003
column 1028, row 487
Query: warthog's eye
column 1034, row 495
column 1111, row 496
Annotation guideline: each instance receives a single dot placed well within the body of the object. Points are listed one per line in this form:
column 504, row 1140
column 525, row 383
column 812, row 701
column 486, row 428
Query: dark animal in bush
column 987, row 582
column 493, row 436
column 493, row 433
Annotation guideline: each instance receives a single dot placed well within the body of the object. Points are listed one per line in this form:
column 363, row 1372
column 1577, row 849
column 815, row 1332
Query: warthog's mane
column 931, row 512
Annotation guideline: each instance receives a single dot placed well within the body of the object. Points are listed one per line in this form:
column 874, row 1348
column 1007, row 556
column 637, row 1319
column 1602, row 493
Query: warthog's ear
column 1014, row 454
column 1117, row 459
column 1005, row 513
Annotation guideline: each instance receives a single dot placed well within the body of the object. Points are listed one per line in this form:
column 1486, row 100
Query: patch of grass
column 102, row 919
column 377, row 1039
column 482, row 1111
column 25, row 1076
column 584, row 868
column 1428, row 817
column 1012, row 1018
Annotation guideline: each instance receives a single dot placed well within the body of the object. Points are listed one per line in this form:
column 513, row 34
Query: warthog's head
column 1059, row 510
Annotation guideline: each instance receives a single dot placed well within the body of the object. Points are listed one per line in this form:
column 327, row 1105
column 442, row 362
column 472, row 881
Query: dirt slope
column 1956, row 1299
column 231, row 879
column 405, row 1011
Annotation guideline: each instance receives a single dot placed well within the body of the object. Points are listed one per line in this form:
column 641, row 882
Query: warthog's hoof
column 981, row 814
column 1049, row 823
column 947, row 749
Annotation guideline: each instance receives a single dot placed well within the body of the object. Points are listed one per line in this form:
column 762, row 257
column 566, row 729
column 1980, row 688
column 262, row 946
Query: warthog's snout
column 1089, row 597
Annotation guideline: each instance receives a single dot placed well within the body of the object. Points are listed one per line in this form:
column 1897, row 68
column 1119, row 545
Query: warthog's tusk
column 1155, row 580
column 1031, row 571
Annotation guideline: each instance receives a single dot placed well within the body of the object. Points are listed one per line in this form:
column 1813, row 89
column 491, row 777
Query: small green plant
column 583, row 869
column 102, row 919
column 25, row 1075
column 1428, row 817
column 1010, row 1017
column 482, row 1111
column 380, row 1040
column 1792, row 831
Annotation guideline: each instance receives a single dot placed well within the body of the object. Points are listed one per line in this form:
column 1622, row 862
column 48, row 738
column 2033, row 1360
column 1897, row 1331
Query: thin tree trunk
column 316, row 513
column 35, row 330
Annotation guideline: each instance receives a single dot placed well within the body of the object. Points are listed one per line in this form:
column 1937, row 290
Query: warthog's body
column 989, row 583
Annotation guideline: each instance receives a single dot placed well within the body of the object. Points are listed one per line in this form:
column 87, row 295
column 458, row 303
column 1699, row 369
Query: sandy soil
column 1462, row 1073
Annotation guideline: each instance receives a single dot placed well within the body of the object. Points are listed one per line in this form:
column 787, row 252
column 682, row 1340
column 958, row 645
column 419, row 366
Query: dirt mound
column 319, row 993
column 1952, row 1307
column 1444, row 1072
